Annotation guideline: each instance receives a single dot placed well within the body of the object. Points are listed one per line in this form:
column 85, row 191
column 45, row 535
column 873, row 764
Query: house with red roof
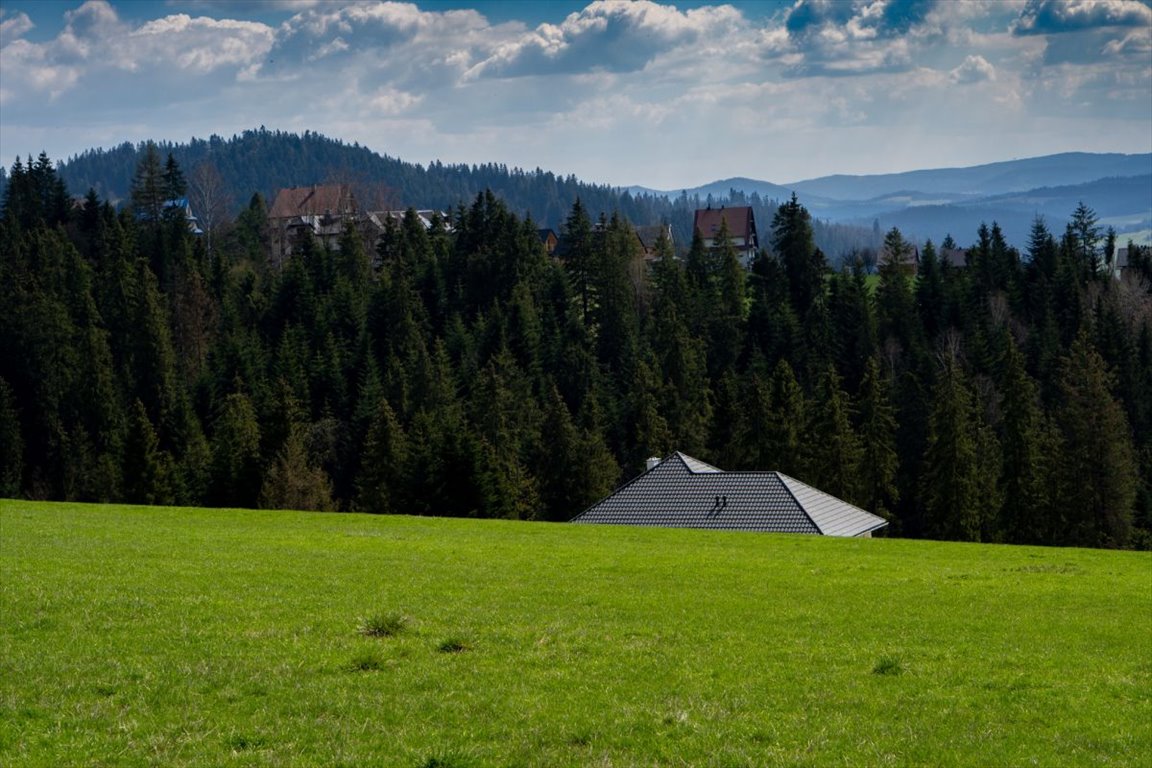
column 741, row 229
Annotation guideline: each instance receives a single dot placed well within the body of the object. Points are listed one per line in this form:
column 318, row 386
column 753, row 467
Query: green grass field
column 191, row 637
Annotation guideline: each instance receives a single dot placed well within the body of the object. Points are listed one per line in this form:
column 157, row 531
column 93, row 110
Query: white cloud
column 975, row 69
column 14, row 27
column 390, row 101
column 609, row 35
column 618, row 92
column 1042, row 17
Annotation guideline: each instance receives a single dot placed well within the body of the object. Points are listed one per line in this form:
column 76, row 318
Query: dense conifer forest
column 224, row 173
column 462, row 371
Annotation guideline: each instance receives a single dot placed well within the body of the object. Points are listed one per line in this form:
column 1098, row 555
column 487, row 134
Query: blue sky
column 666, row 95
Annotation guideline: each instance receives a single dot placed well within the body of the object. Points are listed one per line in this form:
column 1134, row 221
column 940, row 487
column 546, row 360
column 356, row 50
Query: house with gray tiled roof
column 682, row 492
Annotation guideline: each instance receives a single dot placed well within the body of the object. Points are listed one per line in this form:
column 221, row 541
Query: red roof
column 333, row 199
column 741, row 223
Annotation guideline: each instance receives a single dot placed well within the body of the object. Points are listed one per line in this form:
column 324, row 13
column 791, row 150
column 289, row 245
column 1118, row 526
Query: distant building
column 741, row 229
column 425, row 216
column 954, row 257
column 321, row 210
column 549, row 239
column 682, row 492
column 648, row 235
column 1120, row 263
column 179, row 205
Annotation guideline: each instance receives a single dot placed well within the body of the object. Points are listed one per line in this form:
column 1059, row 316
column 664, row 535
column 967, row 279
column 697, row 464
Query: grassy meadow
column 193, row 637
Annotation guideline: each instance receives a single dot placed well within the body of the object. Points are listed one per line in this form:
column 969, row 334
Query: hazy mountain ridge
column 981, row 180
column 929, row 203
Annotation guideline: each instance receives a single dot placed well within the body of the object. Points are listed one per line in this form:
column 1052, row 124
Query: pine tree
column 726, row 324
column 794, row 244
column 782, row 440
column 853, row 327
column 951, row 482
column 832, row 448
column 11, row 444
column 1097, row 464
column 897, row 320
column 930, row 292
column 648, row 433
column 294, row 481
column 149, row 188
column 578, row 259
column 380, row 486
column 1024, row 515
column 878, row 458
column 235, row 473
column 147, row 471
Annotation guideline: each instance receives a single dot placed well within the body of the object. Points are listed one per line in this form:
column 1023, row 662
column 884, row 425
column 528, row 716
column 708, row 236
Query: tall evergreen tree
column 1097, row 464
column 832, row 448
column 897, row 321
column 11, row 444
column 794, row 243
column 879, row 460
column 294, row 481
column 148, row 472
column 1024, row 474
column 951, row 482
column 235, row 475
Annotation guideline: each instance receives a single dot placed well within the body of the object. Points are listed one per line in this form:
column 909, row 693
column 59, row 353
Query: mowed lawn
column 193, row 637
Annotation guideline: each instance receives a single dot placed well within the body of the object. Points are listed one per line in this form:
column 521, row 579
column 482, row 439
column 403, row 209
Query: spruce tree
column 294, row 481
column 147, row 471
column 782, row 441
column 1024, row 474
column 950, row 483
column 11, row 444
column 235, row 473
column 794, row 244
column 832, row 448
column 878, row 458
column 1097, row 463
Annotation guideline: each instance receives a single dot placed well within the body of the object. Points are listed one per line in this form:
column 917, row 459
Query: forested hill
column 462, row 371
column 263, row 161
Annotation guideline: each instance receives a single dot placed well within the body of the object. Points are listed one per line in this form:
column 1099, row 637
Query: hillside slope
column 209, row 637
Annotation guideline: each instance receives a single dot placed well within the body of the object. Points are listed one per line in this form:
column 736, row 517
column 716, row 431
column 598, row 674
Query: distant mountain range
column 934, row 202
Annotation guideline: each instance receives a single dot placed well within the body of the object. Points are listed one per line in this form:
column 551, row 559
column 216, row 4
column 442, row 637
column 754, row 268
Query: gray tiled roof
column 683, row 492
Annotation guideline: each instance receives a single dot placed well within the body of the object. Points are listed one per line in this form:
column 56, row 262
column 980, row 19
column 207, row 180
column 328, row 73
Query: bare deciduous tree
column 209, row 198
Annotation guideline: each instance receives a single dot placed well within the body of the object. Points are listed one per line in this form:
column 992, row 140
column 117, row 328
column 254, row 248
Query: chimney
column 652, row 462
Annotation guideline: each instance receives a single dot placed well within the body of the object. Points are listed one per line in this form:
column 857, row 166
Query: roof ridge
column 781, row 476
column 688, row 461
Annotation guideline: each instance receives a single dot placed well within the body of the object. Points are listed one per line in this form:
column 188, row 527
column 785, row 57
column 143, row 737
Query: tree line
column 223, row 173
column 462, row 371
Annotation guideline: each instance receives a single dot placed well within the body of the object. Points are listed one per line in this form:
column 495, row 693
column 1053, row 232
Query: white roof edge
column 847, row 520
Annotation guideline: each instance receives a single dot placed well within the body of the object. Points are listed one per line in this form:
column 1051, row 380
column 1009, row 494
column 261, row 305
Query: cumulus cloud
column 1046, row 17
column 247, row 6
column 608, row 35
column 975, row 69
column 382, row 42
column 835, row 38
column 390, row 101
column 95, row 41
column 642, row 79
column 13, row 27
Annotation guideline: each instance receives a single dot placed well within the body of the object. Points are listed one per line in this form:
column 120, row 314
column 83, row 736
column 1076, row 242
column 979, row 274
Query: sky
column 667, row 95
